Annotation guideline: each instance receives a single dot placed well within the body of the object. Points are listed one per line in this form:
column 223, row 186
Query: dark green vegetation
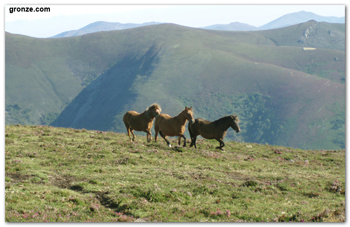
column 282, row 93
column 69, row 175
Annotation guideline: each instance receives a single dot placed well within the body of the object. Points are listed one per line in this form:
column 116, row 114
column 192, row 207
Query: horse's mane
column 226, row 117
column 154, row 105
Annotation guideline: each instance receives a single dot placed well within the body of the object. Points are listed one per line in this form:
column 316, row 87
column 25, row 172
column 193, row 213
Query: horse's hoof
column 169, row 145
column 220, row 148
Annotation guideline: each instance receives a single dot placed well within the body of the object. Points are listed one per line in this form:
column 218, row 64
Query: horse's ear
column 235, row 117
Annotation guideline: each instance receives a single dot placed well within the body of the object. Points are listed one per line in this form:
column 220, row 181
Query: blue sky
column 74, row 16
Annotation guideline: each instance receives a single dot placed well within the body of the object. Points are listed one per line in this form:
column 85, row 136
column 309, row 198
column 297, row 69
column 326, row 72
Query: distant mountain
column 234, row 26
column 300, row 17
column 284, row 21
column 284, row 94
column 101, row 26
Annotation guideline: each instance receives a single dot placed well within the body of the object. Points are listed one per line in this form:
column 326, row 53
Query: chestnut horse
column 141, row 121
column 212, row 130
column 173, row 126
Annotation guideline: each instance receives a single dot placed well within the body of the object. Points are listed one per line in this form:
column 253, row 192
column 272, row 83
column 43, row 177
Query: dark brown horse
column 212, row 130
column 141, row 121
column 173, row 126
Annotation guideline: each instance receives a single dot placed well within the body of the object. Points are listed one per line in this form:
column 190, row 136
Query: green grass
column 68, row 175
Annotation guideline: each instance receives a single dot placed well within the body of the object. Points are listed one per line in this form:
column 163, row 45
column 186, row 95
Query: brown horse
column 173, row 126
column 212, row 130
column 141, row 122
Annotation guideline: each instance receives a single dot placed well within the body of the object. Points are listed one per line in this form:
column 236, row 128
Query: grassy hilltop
column 70, row 175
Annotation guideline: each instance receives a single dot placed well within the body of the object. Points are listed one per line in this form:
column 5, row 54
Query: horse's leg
column 193, row 135
column 222, row 144
column 164, row 137
column 133, row 135
column 155, row 136
column 156, row 129
column 193, row 142
column 127, row 126
column 179, row 140
column 128, row 130
column 183, row 136
column 193, row 139
column 149, row 136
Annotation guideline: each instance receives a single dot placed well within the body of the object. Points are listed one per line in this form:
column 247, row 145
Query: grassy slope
column 68, row 175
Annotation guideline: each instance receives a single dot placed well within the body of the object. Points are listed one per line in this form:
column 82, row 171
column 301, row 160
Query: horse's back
column 164, row 116
column 168, row 125
column 202, row 121
column 133, row 119
column 204, row 128
column 198, row 122
column 128, row 114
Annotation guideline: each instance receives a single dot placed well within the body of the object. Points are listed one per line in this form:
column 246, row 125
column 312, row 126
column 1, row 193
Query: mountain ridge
column 218, row 74
column 102, row 26
column 284, row 21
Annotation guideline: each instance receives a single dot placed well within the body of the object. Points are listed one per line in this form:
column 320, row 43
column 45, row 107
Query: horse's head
column 234, row 123
column 188, row 113
column 157, row 110
column 154, row 110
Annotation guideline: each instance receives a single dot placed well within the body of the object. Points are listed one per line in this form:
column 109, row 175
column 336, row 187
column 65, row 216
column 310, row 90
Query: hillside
column 309, row 34
column 68, row 175
column 283, row 94
column 44, row 75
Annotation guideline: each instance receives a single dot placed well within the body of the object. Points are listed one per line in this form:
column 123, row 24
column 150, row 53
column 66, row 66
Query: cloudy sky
column 65, row 17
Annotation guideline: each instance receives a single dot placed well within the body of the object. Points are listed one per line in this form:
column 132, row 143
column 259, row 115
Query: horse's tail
column 189, row 129
column 125, row 120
